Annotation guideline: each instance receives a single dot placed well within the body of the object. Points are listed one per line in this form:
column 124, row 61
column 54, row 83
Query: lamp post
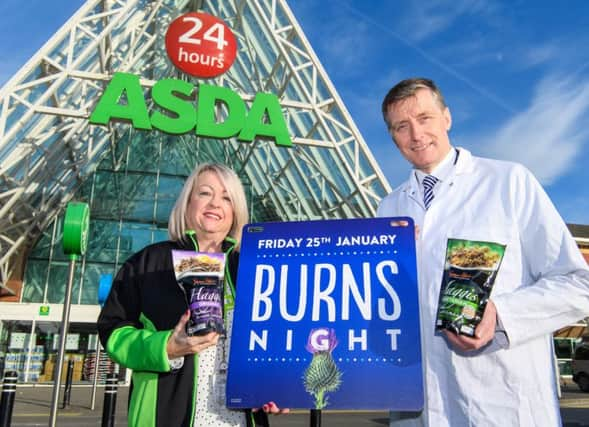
column 75, row 241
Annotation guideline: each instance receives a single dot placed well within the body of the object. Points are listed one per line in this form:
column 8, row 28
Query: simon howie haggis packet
column 200, row 276
column 469, row 275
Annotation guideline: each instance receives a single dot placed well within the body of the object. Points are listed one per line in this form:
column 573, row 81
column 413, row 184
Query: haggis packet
column 200, row 276
column 469, row 274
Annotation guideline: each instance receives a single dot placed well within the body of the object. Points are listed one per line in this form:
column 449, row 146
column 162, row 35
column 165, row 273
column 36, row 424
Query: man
column 504, row 375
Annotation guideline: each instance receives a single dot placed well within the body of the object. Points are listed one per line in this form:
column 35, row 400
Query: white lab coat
column 542, row 285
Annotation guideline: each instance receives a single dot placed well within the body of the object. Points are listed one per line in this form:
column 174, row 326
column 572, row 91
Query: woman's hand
column 271, row 408
column 180, row 344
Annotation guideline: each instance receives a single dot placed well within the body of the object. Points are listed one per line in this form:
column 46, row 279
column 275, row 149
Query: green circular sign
column 75, row 228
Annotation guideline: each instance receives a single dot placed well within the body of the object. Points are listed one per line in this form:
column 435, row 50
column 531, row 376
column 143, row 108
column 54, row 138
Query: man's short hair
column 407, row 88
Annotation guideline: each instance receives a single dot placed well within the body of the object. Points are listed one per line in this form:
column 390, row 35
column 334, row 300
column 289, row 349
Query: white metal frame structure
column 48, row 149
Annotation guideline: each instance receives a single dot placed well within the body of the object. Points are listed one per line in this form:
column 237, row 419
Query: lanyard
column 228, row 289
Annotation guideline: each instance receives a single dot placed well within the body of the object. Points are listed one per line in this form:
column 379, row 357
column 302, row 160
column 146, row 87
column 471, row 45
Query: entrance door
column 30, row 348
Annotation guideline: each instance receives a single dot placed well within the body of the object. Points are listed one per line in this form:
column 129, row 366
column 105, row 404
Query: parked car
column 580, row 366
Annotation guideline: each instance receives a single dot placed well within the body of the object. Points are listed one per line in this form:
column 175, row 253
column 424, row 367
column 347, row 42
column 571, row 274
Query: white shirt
column 210, row 396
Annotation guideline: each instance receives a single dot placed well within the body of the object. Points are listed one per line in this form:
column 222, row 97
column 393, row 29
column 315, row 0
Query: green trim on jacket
column 140, row 349
column 144, row 351
column 143, row 401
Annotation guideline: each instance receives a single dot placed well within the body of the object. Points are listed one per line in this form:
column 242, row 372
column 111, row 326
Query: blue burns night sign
column 327, row 316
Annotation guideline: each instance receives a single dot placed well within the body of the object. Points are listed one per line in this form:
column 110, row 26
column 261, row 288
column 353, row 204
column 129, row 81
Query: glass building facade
column 130, row 202
column 50, row 154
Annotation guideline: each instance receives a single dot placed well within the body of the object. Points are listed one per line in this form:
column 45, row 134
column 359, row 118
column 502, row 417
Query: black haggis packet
column 200, row 275
column 469, row 275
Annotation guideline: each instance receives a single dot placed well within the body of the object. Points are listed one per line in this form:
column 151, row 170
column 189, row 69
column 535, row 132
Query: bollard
column 67, row 391
column 110, row 400
column 8, row 394
column 315, row 419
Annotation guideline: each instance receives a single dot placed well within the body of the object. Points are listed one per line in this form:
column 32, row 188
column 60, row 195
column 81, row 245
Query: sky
column 515, row 74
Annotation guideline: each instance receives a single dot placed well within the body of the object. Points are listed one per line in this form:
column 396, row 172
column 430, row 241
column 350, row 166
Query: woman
column 143, row 322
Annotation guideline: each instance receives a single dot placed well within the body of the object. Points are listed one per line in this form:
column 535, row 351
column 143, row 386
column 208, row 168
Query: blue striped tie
column 429, row 183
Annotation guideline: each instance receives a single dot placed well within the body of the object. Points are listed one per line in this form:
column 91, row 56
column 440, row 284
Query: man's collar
column 442, row 170
column 463, row 164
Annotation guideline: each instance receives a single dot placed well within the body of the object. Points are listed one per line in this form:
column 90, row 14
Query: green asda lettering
column 175, row 113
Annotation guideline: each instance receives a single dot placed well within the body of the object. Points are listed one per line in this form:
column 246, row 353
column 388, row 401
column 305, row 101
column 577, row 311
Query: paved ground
column 32, row 407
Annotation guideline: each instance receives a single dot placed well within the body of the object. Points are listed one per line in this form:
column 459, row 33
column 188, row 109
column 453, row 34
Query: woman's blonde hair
column 177, row 226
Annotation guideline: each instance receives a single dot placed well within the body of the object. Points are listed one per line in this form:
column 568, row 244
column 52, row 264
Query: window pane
column 92, row 272
column 168, row 191
column 139, row 192
column 102, row 241
column 35, row 276
column 58, row 277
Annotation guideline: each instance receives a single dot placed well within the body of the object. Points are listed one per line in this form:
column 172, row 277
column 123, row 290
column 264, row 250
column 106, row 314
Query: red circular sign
column 201, row 45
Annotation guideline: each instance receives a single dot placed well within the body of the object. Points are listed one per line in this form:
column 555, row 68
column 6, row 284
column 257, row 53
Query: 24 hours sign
column 201, row 45
column 327, row 316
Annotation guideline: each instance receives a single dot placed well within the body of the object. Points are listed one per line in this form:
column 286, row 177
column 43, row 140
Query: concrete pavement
column 33, row 407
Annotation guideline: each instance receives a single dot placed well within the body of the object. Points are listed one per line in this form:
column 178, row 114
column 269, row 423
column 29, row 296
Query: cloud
column 558, row 53
column 426, row 19
column 348, row 49
column 342, row 42
column 481, row 50
column 373, row 25
column 474, row 51
column 540, row 54
column 546, row 137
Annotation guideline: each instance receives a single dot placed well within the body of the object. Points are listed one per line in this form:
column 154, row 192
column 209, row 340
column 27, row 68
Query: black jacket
column 140, row 313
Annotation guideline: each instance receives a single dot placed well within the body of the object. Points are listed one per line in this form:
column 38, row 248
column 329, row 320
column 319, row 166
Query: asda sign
column 179, row 108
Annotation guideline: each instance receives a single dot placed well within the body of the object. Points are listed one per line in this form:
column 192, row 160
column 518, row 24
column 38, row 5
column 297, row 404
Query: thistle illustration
column 322, row 375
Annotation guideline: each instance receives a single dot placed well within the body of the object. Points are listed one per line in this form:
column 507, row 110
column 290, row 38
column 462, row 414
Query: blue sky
column 514, row 73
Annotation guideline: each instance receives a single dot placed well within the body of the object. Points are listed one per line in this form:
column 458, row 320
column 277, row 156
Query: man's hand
column 180, row 344
column 484, row 332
